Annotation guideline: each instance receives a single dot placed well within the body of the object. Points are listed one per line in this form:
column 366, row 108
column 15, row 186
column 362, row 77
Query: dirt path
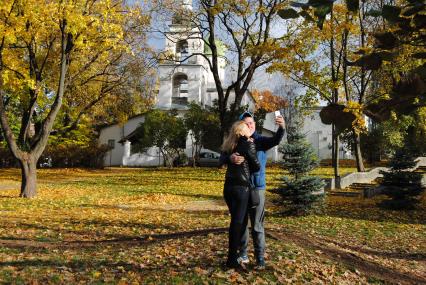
column 8, row 186
column 191, row 206
column 368, row 268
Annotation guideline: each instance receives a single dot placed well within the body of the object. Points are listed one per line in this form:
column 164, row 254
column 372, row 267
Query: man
column 257, row 214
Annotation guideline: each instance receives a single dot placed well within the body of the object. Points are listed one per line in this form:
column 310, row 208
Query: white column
column 126, row 153
column 275, row 154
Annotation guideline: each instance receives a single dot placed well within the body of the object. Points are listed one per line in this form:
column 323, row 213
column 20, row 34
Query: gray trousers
column 257, row 216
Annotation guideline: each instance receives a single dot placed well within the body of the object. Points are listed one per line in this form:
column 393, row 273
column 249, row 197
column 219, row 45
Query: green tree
column 402, row 185
column 303, row 192
column 386, row 137
column 165, row 130
column 203, row 124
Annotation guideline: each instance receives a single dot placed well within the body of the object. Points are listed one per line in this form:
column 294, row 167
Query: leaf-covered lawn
column 166, row 226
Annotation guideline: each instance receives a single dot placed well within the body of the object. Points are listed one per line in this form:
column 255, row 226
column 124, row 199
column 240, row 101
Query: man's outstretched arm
column 265, row 143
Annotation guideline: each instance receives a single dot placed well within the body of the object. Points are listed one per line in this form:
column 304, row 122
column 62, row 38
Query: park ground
column 168, row 226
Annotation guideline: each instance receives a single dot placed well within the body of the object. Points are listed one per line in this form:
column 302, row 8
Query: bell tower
column 187, row 4
column 183, row 74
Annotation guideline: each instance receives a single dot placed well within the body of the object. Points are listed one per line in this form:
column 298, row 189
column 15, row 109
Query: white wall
column 116, row 133
column 318, row 134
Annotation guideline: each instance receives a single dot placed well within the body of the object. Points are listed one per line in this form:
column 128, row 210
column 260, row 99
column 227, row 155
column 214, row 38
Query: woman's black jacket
column 240, row 174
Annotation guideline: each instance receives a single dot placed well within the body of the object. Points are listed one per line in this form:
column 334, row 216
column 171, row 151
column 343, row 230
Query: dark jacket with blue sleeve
column 263, row 144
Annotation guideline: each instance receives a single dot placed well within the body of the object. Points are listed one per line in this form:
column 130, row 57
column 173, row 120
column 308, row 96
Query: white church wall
column 177, row 33
column 114, row 134
column 222, row 64
column 151, row 157
column 194, row 85
column 110, row 136
column 167, row 72
column 165, row 88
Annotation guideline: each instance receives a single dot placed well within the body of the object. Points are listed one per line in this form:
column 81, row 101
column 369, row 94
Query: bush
column 69, row 155
column 181, row 160
column 64, row 155
column 6, row 158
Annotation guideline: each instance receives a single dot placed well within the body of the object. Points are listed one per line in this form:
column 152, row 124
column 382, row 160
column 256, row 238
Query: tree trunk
column 358, row 155
column 335, row 154
column 29, row 177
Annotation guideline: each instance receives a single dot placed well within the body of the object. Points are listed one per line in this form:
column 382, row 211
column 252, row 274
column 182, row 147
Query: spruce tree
column 302, row 192
column 402, row 185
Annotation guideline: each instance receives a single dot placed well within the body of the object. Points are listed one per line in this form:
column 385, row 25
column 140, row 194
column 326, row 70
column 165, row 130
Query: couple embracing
column 244, row 151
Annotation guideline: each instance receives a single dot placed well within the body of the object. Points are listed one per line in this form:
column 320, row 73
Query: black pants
column 236, row 197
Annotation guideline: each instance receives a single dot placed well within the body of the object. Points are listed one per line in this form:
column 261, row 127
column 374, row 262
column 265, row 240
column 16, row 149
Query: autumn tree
column 314, row 58
column 41, row 47
column 336, row 58
column 398, row 92
column 113, row 83
column 266, row 102
column 398, row 55
column 390, row 42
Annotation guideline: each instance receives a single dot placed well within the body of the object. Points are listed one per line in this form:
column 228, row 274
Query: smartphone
column 277, row 114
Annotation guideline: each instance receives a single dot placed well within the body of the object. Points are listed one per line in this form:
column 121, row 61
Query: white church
column 186, row 79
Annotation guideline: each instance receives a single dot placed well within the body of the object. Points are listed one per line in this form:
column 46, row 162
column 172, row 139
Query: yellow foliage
column 97, row 29
column 359, row 124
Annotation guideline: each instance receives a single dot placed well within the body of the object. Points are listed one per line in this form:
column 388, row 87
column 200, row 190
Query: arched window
column 180, row 85
column 182, row 48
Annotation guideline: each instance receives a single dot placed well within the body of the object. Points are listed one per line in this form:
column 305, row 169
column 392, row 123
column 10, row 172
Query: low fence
column 364, row 177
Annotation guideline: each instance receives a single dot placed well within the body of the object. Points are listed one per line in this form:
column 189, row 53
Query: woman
column 237, row 186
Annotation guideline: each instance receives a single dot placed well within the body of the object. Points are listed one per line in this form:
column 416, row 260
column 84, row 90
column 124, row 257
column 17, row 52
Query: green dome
column 221, row 48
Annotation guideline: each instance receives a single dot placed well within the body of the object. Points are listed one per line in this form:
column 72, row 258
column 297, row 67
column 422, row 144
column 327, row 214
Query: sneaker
column 236, row 264
column 260, row 265
column 244, row 259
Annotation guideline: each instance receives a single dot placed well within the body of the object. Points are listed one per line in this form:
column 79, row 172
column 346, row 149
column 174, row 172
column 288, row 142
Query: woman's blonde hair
column 231, row 139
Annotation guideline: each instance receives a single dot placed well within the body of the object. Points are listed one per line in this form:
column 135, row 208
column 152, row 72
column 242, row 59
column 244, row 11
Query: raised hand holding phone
column 279, row 119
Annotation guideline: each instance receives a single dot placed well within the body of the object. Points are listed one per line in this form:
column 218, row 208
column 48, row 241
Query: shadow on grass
column 402, row 219
column 377, row 214
column 190, row 195
column 99, row 230
column 124, row 241
column 118, row 268
column 366, row 210
column 125, row 181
